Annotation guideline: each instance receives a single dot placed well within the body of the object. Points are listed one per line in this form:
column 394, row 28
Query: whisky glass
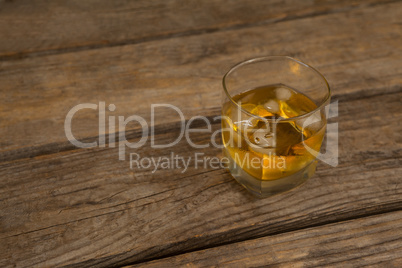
column 273, row 122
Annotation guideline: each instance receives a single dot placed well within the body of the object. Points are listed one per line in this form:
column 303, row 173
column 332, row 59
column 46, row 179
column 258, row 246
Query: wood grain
column 359, row 52
column 30, row 28
column 87, row 208
column 371, row 241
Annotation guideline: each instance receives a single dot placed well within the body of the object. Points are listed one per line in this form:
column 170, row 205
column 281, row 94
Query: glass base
column 267, row 188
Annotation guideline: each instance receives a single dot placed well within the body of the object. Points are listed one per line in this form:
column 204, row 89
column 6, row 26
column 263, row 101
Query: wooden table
column 83, row 207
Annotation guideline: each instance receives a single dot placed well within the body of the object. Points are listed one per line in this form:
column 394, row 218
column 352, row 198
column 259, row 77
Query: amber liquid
column 280, row 141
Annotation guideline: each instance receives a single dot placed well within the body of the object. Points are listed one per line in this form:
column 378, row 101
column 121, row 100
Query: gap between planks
column 345, row 221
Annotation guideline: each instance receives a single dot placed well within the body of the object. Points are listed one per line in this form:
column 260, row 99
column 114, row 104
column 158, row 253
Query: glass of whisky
column 273, row 122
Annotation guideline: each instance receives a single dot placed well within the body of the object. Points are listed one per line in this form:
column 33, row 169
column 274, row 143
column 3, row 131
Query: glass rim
column 245, row 62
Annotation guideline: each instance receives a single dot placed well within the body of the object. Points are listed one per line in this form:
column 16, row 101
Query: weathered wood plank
column 372, row 241
column 86, row 207
column 59, row 26
column 349, row 48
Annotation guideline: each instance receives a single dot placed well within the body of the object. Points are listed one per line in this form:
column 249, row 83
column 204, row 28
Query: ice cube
column 283, row 93
column 272, row 106
column 262, row 142
column 261, row 111
column 260, row 135
column 262, row 138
